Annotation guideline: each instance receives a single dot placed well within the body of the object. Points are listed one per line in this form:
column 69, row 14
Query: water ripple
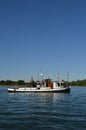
column 43, row 111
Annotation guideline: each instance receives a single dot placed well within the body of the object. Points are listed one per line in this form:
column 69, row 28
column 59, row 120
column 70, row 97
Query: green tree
column 20, row 82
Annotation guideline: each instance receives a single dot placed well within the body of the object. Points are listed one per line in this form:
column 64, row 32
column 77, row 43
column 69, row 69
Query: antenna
column 67, row 76
column 58, row 77
column 67, row 79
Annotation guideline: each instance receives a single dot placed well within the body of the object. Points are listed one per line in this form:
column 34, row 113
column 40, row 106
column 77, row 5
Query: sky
column 42, row 36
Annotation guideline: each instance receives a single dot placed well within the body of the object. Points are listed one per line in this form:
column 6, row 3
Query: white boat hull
column 43, row 90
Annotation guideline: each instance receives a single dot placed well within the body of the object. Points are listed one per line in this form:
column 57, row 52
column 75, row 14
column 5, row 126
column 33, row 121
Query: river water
column 44, row 111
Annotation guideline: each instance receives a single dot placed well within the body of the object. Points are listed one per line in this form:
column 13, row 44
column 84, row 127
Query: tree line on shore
column 78, row 83
column 14, row 83
column 22, row 82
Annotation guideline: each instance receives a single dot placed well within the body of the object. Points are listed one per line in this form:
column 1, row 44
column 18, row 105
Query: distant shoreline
column 23, row 83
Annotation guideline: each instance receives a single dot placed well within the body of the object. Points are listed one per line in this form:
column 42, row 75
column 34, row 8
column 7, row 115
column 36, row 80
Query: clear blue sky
column 42, row 36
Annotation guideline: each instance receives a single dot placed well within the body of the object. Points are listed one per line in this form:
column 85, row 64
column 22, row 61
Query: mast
column 58, row 77
column 67, row 79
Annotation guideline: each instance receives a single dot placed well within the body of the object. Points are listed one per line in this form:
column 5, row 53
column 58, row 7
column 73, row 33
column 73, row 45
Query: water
column 44, row 111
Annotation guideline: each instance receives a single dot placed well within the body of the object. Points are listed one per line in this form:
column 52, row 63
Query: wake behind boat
column 45, row 86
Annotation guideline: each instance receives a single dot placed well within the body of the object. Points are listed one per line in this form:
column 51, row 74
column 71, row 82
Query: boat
column 45, row 86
